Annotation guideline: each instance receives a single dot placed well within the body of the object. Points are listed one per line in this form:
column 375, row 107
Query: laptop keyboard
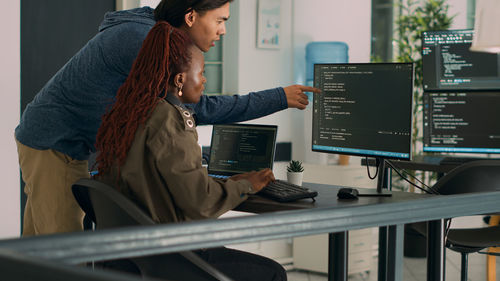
column 218, row 176
column 283, row 191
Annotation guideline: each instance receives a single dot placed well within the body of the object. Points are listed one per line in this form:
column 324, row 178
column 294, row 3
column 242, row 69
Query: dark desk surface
column 327, row 198
column 420, row 163
column 425, row 163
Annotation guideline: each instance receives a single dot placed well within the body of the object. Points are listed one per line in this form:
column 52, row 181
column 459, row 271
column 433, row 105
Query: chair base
column 464, row 266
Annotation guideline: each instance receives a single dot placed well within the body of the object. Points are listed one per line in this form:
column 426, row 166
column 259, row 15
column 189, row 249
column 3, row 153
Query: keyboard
column 283, row 191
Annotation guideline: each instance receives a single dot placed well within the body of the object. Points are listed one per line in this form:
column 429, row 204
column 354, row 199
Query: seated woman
column 148, row 149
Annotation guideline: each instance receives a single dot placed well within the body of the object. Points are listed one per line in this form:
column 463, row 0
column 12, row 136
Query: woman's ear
column 190, row 18
column 179, row 80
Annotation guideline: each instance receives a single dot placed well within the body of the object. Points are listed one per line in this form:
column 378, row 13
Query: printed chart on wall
column 268, row 24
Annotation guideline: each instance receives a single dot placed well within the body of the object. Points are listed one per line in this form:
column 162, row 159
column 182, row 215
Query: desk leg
column 395, row 252
column 382, row 253
column 383, row 233
column 337, row 256
column 435, row 250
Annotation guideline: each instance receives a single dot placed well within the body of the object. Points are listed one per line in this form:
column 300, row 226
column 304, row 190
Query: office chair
column 108, row 208
column 475, row 176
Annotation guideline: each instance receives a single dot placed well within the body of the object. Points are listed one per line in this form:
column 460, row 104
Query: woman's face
column 208, row 27
column 194, row 80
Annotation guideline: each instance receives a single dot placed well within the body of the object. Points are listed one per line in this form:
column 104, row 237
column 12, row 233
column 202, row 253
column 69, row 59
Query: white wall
column 150, row 3
column 258, row 69
column 458, row 8
column 127, row 4
column 9, row 107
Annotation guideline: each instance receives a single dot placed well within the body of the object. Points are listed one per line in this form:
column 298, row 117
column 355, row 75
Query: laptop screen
column 240, row 148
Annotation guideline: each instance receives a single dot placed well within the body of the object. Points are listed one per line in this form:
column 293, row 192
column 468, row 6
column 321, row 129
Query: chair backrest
column 107, row 207
column 475, row 176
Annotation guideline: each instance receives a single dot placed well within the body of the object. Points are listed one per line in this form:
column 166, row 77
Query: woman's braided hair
column 164, row 53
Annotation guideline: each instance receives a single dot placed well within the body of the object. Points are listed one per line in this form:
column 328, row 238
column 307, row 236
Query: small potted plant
column 295, row 172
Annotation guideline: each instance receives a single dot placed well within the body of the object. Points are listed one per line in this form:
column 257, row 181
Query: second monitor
column 448, row 64
column 364, row 109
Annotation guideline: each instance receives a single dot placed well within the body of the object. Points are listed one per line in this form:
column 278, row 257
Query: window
column 213, row 70
column 471, row 13
column 382, row 29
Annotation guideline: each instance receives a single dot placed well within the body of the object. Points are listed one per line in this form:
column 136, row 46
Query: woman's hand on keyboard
column 258, row 179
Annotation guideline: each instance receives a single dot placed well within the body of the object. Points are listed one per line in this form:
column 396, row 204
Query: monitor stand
column 381, row 181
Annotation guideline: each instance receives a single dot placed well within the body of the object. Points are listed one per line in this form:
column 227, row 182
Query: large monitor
column 364, row 109
column 462, row 122
column 449, row 65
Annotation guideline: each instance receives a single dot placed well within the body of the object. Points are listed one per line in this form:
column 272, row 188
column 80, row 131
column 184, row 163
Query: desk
column 419, row 162
column 338, row 262
column 425, row 163
column 327, row 215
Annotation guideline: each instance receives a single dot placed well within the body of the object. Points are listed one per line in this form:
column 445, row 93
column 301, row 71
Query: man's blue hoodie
column 66, row 113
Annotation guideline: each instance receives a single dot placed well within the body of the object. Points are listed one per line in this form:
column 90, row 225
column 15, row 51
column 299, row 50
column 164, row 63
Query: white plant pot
column 295, row 177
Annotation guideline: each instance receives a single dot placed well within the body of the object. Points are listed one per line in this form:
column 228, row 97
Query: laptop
column 240, row 148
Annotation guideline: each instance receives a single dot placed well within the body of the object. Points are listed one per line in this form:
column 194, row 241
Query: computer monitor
column 364, row 109
column 449, row 65
column 461, row 122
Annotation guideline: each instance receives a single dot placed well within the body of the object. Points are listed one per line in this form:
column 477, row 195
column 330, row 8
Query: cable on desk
column 394, row 166
column 368, row 170
column 447, row 228
column 434, row 191
column 427, row 188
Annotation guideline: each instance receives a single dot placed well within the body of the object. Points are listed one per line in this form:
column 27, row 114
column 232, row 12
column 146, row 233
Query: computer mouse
column 347, row 193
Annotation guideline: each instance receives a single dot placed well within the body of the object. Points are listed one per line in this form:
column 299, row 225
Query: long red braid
column 164, row 53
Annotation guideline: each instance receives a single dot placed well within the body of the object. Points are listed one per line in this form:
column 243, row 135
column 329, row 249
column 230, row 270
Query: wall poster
column 268, row 24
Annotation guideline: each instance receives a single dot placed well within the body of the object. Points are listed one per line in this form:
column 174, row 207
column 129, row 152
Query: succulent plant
column 295, row 167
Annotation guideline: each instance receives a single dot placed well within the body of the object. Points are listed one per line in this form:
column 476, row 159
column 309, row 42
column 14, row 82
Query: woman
column 57, row 131
column 148, row 149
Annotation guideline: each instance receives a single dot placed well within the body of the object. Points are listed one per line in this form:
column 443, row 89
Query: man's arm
column 236, row 108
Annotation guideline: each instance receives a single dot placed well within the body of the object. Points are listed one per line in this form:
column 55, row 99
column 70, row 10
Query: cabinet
column 311, row 252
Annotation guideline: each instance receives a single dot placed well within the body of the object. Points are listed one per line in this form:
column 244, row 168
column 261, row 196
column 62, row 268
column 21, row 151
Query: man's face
column 208, row 27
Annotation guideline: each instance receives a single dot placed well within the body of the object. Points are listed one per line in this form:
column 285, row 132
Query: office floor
column 415, row 269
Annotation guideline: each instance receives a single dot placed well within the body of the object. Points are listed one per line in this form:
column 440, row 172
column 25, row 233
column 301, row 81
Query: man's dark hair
column 173, row 11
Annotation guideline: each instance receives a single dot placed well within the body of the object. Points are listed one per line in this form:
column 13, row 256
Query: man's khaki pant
column 48, row 175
